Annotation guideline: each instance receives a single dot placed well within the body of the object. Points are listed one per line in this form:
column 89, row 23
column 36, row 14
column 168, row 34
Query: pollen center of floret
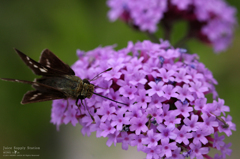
column 191, row 125
column 152, row 140
column 165, row 133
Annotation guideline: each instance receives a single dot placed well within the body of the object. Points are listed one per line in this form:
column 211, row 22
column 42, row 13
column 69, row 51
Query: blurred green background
column 64, row 26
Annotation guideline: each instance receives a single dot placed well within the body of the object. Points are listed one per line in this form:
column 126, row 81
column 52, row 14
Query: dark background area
column 63, row 27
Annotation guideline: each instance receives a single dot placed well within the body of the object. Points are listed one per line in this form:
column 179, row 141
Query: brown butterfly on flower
column 58, row 80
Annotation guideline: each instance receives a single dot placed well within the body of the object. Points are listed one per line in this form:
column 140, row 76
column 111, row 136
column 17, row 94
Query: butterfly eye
column 86, row 81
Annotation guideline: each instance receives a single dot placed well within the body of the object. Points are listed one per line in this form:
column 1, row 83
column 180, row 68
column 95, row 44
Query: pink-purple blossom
column 163, row 118
column 138, row 125
column 198, row 150
column 151, row 138
column 183, row 135
column 211, row 21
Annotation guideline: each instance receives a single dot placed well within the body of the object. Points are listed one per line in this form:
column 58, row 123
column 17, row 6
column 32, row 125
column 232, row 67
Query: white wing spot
column 34, row 96
column 27, row 58
column 43, row 69
column 35, row 66
column 48, row 63
column 17, row 80
column 36, row 84
column 30, row 62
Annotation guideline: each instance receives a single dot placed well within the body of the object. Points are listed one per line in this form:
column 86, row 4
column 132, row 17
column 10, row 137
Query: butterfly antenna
column 94, row 78
column 109, row 99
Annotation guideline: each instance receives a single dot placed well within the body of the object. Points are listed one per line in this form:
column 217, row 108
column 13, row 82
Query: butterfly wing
column 36, row 96
column 42, row 69
column 50, row 60
column 42, row 93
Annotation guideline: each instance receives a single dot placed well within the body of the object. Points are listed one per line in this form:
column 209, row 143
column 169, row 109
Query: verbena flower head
column 167, row 113
column 211, row 21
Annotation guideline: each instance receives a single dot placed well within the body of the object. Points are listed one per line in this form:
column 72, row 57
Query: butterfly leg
column 78, row 105
column 66, row 106
column 85, row 106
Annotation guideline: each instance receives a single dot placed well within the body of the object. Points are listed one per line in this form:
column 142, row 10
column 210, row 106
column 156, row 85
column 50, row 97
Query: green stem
column 183, row 41
column 167, row 29
column 152, row 37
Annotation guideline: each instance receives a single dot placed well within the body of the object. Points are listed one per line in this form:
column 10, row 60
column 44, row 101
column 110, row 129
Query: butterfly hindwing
column 50, row 60
column 37, row 96
column 42, row 93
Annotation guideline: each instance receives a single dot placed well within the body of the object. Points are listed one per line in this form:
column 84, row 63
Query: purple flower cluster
column 144, row 14
column 211, row 21
column 164, row 89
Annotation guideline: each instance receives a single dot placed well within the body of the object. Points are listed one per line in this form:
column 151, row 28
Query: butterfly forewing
column 50, row 60
column 38, row 68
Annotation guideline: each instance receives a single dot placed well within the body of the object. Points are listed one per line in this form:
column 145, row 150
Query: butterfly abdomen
column 68, row 86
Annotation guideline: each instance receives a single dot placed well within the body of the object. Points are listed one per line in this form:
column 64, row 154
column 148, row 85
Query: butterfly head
column 87, row 90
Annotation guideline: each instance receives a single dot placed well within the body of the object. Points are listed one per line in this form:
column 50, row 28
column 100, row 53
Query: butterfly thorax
column 72, row 86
